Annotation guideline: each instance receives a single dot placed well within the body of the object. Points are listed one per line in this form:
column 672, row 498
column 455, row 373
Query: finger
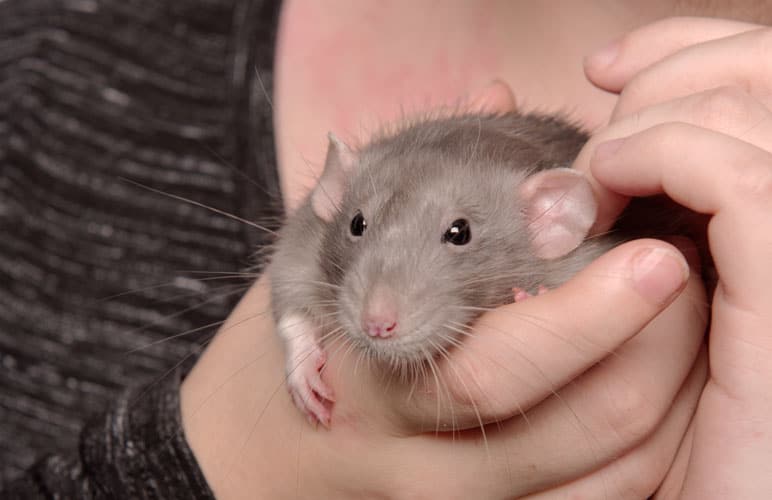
column 602, row 415
column 673, row 483
column 711, row 173
column 617, row 404
column 519, row 354
column 639, row 473
column 731, row 61
column 614, row 65
column 727, row 110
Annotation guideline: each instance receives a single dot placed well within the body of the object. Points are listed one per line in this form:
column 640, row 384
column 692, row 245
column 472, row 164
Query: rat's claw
column 321, row 388
column 311, row 405
column 309, row 392
column 521, row 295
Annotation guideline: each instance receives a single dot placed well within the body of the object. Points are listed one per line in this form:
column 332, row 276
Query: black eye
column 459, row 233
column 358, row 224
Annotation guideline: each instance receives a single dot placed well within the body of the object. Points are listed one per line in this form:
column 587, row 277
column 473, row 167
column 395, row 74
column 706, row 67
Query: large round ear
column 560, row 209
column 328, row 192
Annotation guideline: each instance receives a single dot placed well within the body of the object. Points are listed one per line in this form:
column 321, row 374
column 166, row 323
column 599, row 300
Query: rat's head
column 421, row 242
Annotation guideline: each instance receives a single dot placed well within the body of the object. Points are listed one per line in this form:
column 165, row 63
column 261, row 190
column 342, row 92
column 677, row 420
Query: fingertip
column 659, row 273
column 604, row 158
column 650, row 269
column 610, row 203
column 604, row 162
column 605, row 56
column 598, row 66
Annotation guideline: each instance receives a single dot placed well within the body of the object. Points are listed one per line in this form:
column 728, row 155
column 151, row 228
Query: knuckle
column 754, row 180
column 633, row 415
column 643, row 481
column 669, row 135
column 729, row 109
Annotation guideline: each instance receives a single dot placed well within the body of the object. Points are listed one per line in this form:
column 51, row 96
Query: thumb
column 519, row 354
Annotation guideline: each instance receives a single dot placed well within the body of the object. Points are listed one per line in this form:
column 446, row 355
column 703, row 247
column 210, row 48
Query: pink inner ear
column 560, row 209
column 328, row 192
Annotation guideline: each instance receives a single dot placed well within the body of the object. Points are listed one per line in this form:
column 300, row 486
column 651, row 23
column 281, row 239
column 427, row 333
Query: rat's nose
column 380, row 327
column 380, row 316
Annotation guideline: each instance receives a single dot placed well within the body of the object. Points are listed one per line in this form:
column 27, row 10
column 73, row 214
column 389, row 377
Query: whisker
column 309, row 282
column 194, row 330
column 232, row 274
column 171, row 283
column 198, row 204
column 476, row 410
column 165, row 374
column 180, row 313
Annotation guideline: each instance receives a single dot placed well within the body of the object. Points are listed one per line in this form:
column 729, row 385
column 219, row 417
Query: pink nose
column 380, row 327
column 380, row 314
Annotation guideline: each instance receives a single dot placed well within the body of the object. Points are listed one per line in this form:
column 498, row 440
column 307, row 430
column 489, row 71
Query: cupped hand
column 693, row 122
column 612, row 431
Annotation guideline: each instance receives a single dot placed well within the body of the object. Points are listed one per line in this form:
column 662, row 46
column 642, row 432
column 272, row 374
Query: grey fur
column 411, row 185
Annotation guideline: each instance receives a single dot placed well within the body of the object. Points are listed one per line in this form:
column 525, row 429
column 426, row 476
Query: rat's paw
column 305, row 359
column 309, row 392
column 520, row 294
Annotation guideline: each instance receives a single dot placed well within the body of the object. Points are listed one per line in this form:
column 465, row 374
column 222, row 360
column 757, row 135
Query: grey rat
column 415, row 233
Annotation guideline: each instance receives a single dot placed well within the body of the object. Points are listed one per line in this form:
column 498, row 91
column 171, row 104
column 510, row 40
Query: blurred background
column 96, row 271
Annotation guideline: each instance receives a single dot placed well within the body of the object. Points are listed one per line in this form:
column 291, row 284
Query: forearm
column 234, row 408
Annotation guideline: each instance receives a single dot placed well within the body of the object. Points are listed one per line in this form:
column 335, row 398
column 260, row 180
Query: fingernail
column 604, row 57
column 658, row 273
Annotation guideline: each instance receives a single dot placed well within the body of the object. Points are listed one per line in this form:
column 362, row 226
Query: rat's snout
column 380, row 314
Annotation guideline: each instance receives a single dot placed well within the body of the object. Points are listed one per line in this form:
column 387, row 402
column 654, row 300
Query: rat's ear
column 560, row 209
column 328, row 193
column 496, row 97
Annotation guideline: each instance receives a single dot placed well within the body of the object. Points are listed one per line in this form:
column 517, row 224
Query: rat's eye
column 459, row 233
column 358, row 224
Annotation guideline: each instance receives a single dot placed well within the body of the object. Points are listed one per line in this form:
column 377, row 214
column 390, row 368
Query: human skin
column 612, row 428
column 694, row 122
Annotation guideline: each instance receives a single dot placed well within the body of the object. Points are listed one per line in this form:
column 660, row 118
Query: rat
column 418, row 231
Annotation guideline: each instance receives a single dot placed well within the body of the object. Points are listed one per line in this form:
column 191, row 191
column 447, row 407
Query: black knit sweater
column 172, row 94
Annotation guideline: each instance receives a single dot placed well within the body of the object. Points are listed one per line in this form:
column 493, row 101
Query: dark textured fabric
column 134, row 451
column 172, row 94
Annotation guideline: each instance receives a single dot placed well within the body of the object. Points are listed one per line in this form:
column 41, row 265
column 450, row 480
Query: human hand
column 708, row 68
column 613, row 431
column 694, row 112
